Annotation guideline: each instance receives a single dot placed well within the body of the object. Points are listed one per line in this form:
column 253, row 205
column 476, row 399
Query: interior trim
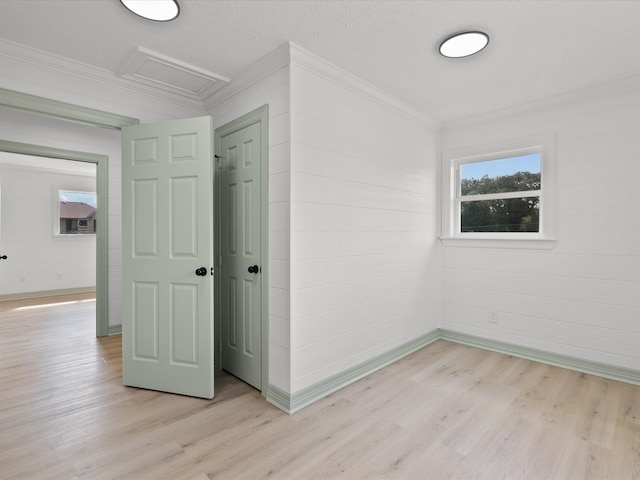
column 500, row 243
column 292, row 402
column 595, row 93
column 612, row 372
column 67, row 111
column 45, row 293
column 259, row 70
column 279, row 398
column 323, row 68
column 50, row 62
column 102, row 220
column 261, row 116
column 114, row 330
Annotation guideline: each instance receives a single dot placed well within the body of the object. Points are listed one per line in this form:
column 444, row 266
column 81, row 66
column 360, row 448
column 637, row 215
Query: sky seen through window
column 505, row 166
column 88, row 198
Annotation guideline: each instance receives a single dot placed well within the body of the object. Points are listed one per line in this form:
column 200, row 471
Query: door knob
column 254, row 269
column 3, row 257
column 201, row 272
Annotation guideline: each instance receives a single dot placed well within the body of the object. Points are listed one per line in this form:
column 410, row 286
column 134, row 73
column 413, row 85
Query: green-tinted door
column 167, row 234
column 241, row 271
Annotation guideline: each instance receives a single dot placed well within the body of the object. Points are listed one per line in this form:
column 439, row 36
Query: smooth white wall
column 364, row 197
column 582, row 298
column 38, row 260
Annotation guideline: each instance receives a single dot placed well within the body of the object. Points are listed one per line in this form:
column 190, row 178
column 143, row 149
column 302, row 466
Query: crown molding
column 292, row 54
column 208, row 98
column 50, row 61
column 317, row 65
column 593, row 93
column 265, row 66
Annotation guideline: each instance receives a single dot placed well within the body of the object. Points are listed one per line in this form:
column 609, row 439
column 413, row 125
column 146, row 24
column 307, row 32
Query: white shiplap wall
column 268, row 83
column 364, row 268
column 374, row 284
column 353, row 270
column 581, row 298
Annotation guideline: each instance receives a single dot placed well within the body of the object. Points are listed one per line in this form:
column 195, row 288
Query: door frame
column 261, row 116
column 76, row 113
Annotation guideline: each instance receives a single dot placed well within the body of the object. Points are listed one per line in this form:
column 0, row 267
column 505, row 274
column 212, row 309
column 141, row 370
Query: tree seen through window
column 501, row 195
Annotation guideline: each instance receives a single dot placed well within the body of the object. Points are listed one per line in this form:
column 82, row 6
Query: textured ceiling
column 538, row 49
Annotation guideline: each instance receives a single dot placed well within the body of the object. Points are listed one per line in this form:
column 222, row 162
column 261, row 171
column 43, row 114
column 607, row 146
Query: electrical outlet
column 494, row 318
column 58, row 276
column 22, row 279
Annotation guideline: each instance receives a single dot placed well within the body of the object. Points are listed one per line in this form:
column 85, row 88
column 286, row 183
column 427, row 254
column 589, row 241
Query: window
column 502, row 195
column 76, row 213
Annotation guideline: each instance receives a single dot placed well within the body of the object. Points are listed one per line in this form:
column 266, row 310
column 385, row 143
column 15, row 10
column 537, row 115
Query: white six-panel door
column 167, row 209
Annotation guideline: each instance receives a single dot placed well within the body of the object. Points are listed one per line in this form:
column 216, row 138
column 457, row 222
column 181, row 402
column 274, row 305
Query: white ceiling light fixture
column 464, row 44
column 157, row 10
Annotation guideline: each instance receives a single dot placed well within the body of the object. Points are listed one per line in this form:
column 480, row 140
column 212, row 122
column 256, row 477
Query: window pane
column 513, row 174
column 501, row 215
column 77, row 212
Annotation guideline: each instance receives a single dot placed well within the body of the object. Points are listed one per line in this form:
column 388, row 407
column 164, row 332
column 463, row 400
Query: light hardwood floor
column 447, row 411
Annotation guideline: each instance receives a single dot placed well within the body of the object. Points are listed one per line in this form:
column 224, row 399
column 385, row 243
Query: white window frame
column 56, row 213
column 451, row 234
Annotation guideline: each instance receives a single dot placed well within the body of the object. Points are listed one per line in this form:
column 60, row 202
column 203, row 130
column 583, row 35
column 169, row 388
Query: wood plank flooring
column 445, row 412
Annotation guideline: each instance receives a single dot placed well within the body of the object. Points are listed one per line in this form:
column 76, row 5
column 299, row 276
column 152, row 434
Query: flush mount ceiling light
column 464, row 44
column 158, row 10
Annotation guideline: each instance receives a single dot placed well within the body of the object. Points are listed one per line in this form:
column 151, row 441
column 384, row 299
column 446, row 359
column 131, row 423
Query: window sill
column 516, row 243
column 72, row 235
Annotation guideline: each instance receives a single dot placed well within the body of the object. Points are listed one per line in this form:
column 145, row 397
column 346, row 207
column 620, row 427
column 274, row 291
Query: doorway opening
column 47, row 232
column 24, row 102
column 241, row 248
column 57, row 159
